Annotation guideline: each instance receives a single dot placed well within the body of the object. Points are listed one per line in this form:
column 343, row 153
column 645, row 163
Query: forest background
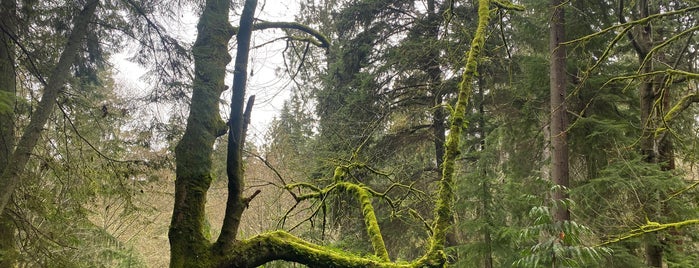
column 578, row 135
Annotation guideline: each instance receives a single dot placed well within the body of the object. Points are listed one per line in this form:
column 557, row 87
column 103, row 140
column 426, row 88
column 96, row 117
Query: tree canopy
column 416, row 134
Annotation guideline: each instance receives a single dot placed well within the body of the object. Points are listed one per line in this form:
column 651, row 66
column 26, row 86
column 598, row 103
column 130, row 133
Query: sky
column 270, row 89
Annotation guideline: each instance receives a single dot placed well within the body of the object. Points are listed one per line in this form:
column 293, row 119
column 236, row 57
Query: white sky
column 271, row 90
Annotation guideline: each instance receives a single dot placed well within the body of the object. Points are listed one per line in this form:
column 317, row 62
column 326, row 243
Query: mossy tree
column 190, row 245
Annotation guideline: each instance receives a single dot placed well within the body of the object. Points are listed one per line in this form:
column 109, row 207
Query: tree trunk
column 8, row 94
column 10, row 177
column 559, row 118
column 642, row 41
column 189, row 243
column 236, row 203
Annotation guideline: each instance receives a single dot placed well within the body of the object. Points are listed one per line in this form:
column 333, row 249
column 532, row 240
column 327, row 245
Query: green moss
column 372, row 225
column 443, row 210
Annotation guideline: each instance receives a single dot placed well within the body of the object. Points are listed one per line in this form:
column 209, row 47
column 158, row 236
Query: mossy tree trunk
column 189, row 242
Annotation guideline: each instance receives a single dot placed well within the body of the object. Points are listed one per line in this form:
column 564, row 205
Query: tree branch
column 649, row 227
column 280, row 245
column 320, row 39
column 235, row 204
column 680, row 106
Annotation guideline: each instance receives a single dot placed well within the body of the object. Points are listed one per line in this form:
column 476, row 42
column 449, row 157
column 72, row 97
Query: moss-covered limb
column 649, row 227
column 443, row 210
column 680, row 106
column 665, row 43
column 687, row 75
column 681, row 191
column 507, row 5
column 372, row 225
column 312, row 187
column 280, row 245
column 631, row 23
column 189, row 246
column 10, row 177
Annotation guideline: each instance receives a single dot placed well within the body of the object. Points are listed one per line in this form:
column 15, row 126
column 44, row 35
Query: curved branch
column 320, row 39
column 680, row 106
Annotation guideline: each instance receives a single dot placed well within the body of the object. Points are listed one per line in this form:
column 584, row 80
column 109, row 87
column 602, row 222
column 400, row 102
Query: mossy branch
column 688, row 75
column 625, row 29
column 665, row 43
column 632, row 23
column 680, row 106
column 372, row 225
column 507, row 5
column 443, row 210
column 649, row 227
column 280, row 245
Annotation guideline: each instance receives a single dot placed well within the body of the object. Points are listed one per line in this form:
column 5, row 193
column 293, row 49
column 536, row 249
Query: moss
column 189, row 232
column 340, row 173
column 372, row 225
column 443, row 210
column 649, row 227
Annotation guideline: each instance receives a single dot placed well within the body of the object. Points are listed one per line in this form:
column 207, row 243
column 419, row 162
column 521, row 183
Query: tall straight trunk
column 10, row 178
column 559, row 118
column 8, row 84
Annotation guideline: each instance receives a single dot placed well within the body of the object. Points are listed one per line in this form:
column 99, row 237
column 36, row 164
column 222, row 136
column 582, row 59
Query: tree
column 53, row 76
column 10, row 176
column 559, row 118
column 190, row 246
column 7, row 126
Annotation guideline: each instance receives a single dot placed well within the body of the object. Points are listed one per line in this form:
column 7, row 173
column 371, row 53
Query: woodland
column 428, row 133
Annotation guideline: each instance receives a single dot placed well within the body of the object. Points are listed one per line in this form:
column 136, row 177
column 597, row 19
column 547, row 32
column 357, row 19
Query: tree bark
column 559, row 118
column 236, row 204
column 8, row 84
column 189, row 244
column 10, row 178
